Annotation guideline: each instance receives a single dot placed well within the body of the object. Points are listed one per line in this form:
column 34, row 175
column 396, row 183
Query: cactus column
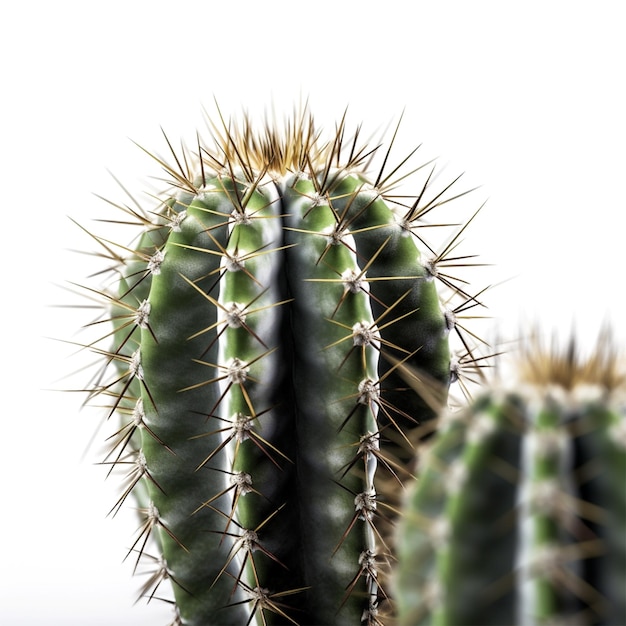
column 260, row 332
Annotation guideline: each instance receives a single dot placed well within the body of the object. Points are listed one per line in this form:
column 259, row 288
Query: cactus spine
column 519, row 512
column 263, row 328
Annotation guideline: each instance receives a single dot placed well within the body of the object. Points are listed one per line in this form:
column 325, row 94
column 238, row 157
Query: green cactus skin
column 262, row 328
column 519, row 514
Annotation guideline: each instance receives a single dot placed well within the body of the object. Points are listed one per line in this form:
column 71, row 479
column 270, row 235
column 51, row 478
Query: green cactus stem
column 519, row 513
column 263, row 328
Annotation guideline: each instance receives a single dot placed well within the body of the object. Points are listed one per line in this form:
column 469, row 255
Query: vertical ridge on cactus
column 519, row 512
column 263, row 328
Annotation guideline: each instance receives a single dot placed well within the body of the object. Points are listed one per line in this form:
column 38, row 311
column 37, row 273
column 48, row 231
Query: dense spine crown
column 519, row 514
column 271, row 329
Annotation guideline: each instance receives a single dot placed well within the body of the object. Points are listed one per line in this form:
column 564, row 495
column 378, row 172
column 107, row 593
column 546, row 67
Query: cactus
column 519, row 512
column 264, row 326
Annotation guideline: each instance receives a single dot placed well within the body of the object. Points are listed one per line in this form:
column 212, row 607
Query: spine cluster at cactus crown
column 281, row 339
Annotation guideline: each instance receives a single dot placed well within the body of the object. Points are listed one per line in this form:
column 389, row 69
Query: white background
column 527, row 98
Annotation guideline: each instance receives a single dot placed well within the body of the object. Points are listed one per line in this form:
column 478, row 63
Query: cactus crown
column 543, row 366
column 274, row 149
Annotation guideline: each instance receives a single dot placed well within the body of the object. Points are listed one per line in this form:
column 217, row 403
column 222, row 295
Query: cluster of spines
column 225, row 227
column 519, row 513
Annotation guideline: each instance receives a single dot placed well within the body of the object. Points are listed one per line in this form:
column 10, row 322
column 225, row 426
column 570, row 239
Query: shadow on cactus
column 519, row 512
column 262, row 327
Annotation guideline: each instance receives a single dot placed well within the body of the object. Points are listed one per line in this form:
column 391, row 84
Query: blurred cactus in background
column 518, row 515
